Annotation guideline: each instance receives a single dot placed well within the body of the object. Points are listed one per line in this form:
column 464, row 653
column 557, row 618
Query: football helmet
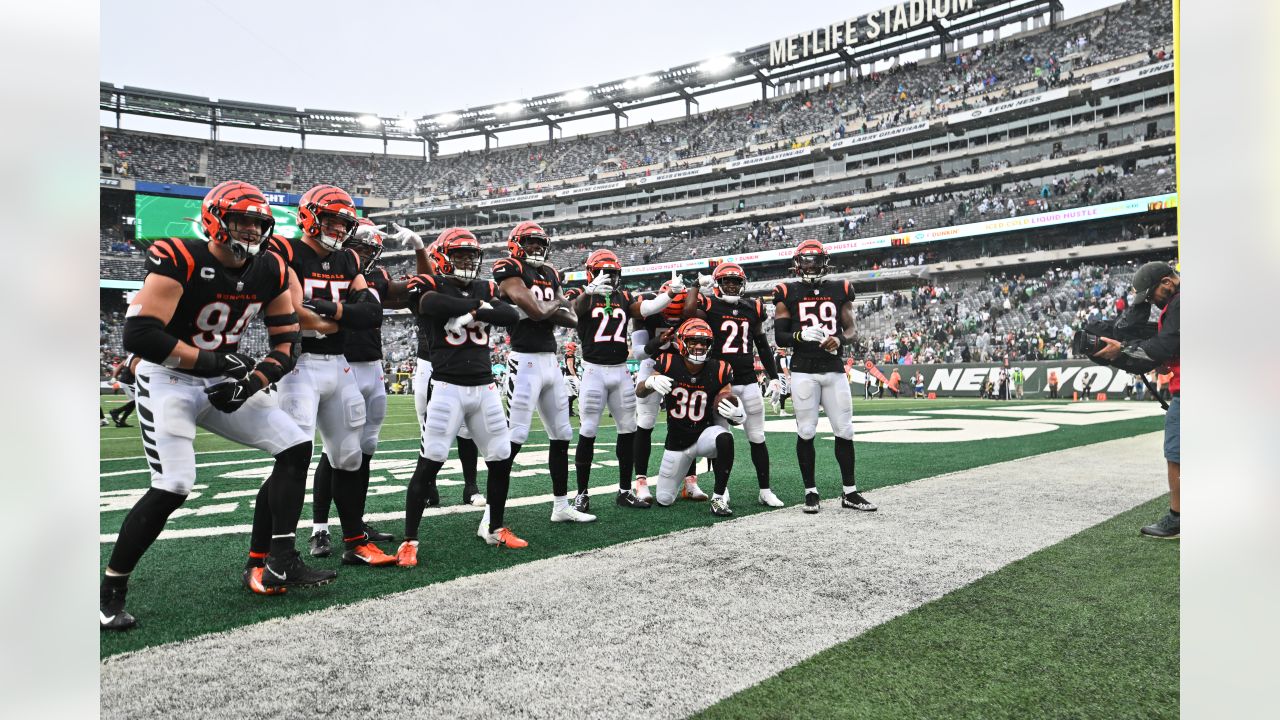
column 604, row 262
column 693, row 340
column 324, row 205
column 730, row 281
column 570, row 348
column 674, row 310
column 528, row 242
column 244, row 204
column 366, row 241
column 811, row 262
column 457, row 254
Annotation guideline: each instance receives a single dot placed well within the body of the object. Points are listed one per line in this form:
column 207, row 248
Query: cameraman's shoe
column 1166, row 528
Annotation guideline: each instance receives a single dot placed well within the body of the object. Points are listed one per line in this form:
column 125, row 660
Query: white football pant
column 611, row 385
column 480, row 407
column 321, row 392
column 753, row 404
column 647, row 407
column 538, row 382
column 830, row 390
column 422, row 399
column 676, row 462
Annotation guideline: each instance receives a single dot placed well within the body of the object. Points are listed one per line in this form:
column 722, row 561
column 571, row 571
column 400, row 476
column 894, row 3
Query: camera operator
column 1157, row 284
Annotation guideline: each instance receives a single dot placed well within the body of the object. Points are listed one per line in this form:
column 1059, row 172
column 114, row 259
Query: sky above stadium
column 401, row 58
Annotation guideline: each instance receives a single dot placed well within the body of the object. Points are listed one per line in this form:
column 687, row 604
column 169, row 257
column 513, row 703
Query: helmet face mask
column 366, row 242
column 242, row 205
column 604, row 263
column 694, row 339
column 535, row 249
column 327, row 215
column 464, row 263
column 811, row 262
column 245, row 233
column 697, row 349
column 335, row 230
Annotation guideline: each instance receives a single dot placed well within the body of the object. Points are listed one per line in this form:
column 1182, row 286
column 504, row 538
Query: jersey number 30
column 688, row 404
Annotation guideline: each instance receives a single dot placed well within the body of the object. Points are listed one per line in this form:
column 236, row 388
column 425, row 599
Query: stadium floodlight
column 446, row 119
column 640, row 83
column 508, row 108
column 716, row 65
column 575, row 96
column 369, row 121
column 406, row 124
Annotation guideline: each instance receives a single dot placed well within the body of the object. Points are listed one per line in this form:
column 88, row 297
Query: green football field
column 188, row 584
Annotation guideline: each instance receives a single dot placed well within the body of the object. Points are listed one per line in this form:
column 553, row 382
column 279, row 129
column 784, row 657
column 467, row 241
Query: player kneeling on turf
column 694, row 388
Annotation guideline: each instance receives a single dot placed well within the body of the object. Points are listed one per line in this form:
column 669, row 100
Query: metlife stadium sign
column 954, row 232
column 889, row 20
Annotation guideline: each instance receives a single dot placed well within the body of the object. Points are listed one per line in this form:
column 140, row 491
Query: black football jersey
column 735, row 325
column 815, row 305
column 460, row 358
column 691, row 403
column 217, row 302
column 532, row 336
column 602, row 328
column 366, row 345
column 323, row 278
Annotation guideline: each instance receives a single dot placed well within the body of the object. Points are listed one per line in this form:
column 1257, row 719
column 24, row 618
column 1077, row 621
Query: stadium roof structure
column 844, row 45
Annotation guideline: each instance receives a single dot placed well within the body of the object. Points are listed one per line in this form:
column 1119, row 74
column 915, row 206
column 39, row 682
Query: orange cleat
column 253, row 582
column 691, row 491
column 367, row 554
column 407, row 555
column 505, row 538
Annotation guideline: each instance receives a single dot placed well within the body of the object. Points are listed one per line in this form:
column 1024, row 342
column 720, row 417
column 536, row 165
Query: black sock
column 582, row 456
column 805, row 457
column 558, row 465
column 497, row 483
column 626, row 447
column 515, row 449
column 322, row 491
column 141, row 527
column 286, row 489
column 469, row 456
column 260, row 535
column 760, row 458
column 414, row 503
column 844, row 457
column 643, row 449
column 348, row 497
column 723, row 461
column 122, row 413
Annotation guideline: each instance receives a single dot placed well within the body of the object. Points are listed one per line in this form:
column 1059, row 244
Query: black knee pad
column 295, row 459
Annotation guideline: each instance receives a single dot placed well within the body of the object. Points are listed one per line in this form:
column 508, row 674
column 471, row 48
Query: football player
column 185, row 326
column 647, row 406
column 124, row 373
column 570, row 369
column 695, row 389
column 603, row 311
column 456, row 311
column 737, row 326
column 468, row 453
column 784, row 382
column 321, row 391
column 526, row 280
column 814, row 316
column 363, row 350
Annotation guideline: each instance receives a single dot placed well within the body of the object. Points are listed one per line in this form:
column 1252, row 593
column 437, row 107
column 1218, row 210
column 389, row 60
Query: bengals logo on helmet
column 603, row 261
column 326, row 202
column 521, row 235
column 730, row 280
column 694, row 339
column 234, row 198
column 457, row 254
column 810, row 261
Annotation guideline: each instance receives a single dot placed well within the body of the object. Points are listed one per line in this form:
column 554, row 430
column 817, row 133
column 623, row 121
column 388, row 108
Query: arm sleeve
column 501, row 314
column 440, row 305
column 639, row 339
column 361, row 311
column 146, row 337
column 654, row 304
column 766, row 355
column 653, row 347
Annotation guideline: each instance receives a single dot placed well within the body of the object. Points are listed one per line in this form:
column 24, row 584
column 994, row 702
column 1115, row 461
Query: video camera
column 1132, row 327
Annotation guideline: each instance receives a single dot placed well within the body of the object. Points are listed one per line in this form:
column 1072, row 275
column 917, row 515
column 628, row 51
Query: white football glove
column 813, row 333
column 774, row 391
column 600, row 287
column 676, row 286
column 455, row 325
column 706, row 285
column 660, row 384
column 731, row 411
column 407, row 237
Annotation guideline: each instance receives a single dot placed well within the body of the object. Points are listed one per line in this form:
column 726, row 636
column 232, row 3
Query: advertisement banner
column 1007, row 106
column 1129, row 76
column 598, row 187
column 674, row 175
column 275, row 198
column 158, row 216
column 894, row 132
column 771, row 157
column 510, row 200
column 967, row 380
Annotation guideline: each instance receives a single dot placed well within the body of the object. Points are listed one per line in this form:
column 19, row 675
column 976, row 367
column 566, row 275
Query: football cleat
column 812, row 503
column 720, row 507
column 288, row 570
column 471, row 496
column 691, row 491
column 581, row 502
column 768, row 498
column 503, row 537
column 569, row 513
column 367, row 554
column 376, row 535
column 407, row 555
column 855, row 501
column 103, row 422
column 641, row 486
column 628, row 499
column 252, row 581
column 111, row 614
column 321, row 544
